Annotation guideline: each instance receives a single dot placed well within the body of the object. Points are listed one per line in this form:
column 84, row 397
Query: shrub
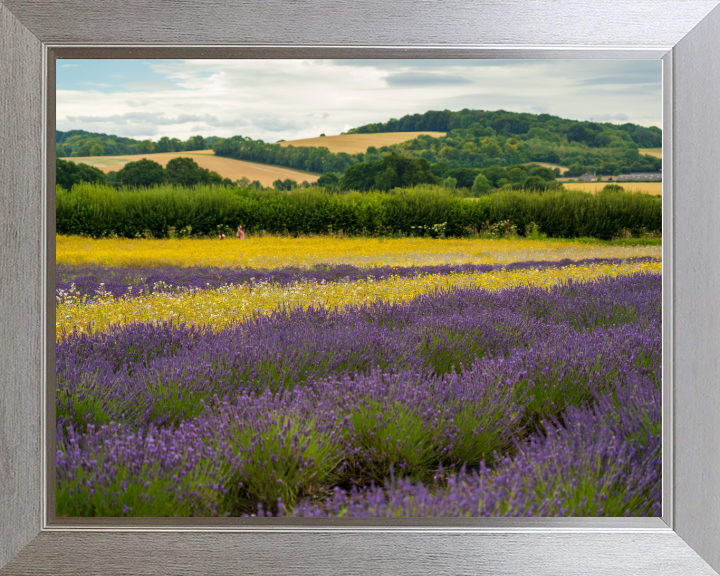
column 97, row 211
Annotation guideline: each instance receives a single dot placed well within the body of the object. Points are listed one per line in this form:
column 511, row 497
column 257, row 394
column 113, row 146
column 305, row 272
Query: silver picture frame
column 685, row 34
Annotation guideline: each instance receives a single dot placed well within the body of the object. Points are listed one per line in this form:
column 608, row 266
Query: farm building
column 640, row 177
column 587, row 177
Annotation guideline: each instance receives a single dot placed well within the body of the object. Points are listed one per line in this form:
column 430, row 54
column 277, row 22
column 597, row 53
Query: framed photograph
column 46, row 530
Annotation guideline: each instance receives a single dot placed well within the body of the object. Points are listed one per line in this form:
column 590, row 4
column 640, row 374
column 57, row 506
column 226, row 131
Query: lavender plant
column 463, row 402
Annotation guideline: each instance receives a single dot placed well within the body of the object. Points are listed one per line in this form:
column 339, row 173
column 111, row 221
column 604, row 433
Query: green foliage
column 450, row 183
column 145, row 147
column 481, row 185
column 82, row 143
column 613, row 188
column 393, row 171
column 141, row 173
column 196, row 143
column 480, row 139
column 185, row 171
column 310, row 158
column 286, row 184
column 98, row 211
column 329, row 180
column 67, row 173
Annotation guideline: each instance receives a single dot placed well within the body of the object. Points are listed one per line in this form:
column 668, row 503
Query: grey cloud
column 149, row 85
column 272, row 124
column 425, row 79
column 539, row 108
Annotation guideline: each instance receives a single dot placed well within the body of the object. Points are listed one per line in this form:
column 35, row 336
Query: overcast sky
column 291, row 99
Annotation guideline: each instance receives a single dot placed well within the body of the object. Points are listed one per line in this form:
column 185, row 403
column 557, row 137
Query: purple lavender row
column 157, row 373
column 266, row 453
column 118, row 281
column 604, row 461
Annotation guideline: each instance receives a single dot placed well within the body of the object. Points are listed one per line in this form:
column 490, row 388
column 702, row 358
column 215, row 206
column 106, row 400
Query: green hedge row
column 98, row 211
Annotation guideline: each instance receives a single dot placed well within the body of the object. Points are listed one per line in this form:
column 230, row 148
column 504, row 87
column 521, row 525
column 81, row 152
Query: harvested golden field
column 549, row 165
column 353, row 143
column 226, row 167
column 654, row 188
column 657, row 152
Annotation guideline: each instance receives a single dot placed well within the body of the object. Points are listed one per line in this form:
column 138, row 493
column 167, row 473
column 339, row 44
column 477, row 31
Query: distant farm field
column 654, row 188
column 226, row 167
column 657, row 152
column 549, row 165
column 353, row 143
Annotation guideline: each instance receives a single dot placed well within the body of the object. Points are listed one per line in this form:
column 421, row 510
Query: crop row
column 236, row 303
column 310, row 411
column 310, row 252
column 91, row 280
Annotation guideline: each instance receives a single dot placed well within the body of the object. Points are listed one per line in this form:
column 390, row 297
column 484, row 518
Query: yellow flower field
column 220, row 307
column 305, row 252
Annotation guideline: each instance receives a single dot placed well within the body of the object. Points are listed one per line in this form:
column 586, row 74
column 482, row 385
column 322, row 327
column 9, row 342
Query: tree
column 141, row 173
column 534, row 184
column 196, row 143
column 390, row 172
column 329, row 180
column 59, row 151
column 97, row 150
column 176, row 145
column 183, row 172
column 145, row 147
column 67, row 174
column 286, row 184
column 613, row 188
column 542, row 172
column 450, row 183
column 481, row 185
column 464, row 176
column 163, row 145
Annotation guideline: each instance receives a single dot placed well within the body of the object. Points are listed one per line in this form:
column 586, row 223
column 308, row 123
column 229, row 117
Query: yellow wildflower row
column 230, row 304
column 275, row 252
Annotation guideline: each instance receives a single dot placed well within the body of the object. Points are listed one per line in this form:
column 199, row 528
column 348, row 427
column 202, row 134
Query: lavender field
column 458, row 401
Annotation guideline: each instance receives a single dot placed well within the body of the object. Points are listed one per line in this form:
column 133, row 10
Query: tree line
column 181, row 171
column 520, row 124
column 80, row 143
